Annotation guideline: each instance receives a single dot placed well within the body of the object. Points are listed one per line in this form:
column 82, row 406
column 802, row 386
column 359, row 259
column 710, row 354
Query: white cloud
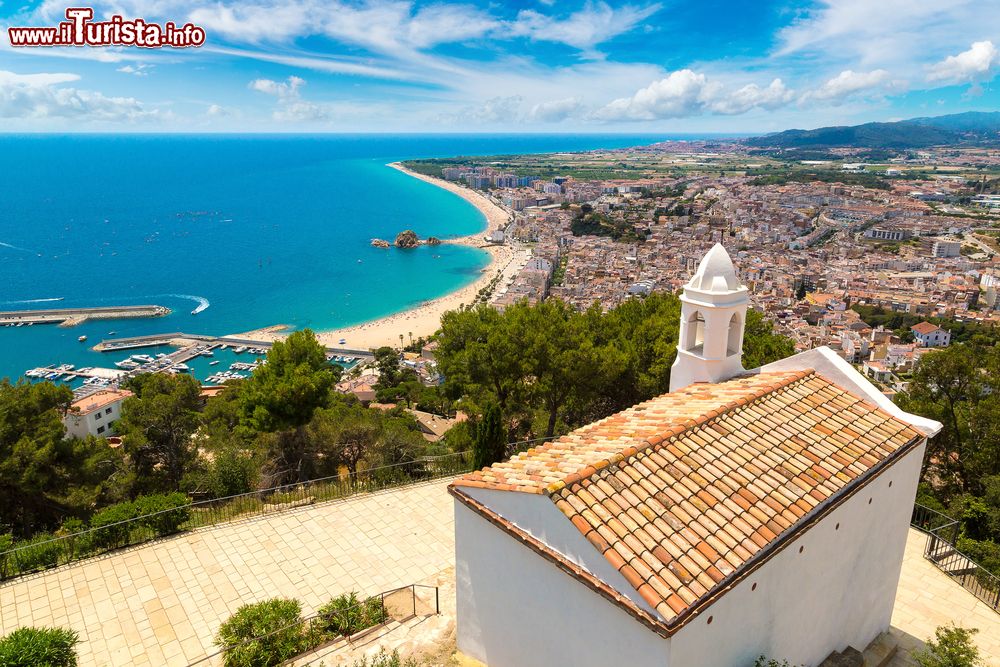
column 555, row 110
column 284, row 90
column 882, row 32
column 249, row 22
column 301, row 112
column 752, row 96
column 140, row 69
column 683, row 93
column 397, row 27
column 217, row 111
column 849, row 83
column 595, row 23
column 687, row 93
column 38, row 96
column 976, row 64
column 11, row 79
column 495, row 110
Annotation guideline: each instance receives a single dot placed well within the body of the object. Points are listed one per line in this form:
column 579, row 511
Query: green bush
column 6, row 543
column 39, row 647
column 384, row 659
column 168, row 512
column 75, row 545
column 951, row 647
column 347, row 614
column 40, row 552
column 108, row 535
column 263, row 634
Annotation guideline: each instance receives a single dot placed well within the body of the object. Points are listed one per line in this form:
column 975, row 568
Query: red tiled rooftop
column 924, row 328
column 609, row 440
column 98, row 400
column 681, row 492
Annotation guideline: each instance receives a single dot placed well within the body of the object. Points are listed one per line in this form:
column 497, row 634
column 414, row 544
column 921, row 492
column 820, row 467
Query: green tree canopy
column 550, row 368
column 284, row 393
column 156, row 427
column 44, row 476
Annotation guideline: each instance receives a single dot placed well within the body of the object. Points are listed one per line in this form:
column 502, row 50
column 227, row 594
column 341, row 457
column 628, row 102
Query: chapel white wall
column 838, row 592
column 538, row 516
column 516, row 609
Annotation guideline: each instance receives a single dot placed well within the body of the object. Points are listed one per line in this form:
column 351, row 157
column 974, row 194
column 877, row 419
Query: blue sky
column 534, row 65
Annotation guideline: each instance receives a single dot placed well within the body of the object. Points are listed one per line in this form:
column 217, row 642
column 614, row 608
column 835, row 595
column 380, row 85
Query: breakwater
column 68, row 317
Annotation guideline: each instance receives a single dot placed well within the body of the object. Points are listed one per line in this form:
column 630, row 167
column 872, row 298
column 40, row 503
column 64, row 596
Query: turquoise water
column 264, row 229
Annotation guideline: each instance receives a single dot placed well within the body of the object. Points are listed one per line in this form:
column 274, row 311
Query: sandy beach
column 424, row 319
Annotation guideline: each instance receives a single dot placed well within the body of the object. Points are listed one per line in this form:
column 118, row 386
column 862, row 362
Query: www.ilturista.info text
column 81, row 30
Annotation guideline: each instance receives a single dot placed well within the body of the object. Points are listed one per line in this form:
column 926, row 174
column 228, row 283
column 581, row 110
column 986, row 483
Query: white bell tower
column 713, row 317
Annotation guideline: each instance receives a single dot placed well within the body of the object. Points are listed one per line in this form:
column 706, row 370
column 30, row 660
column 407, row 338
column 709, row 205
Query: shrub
column 263, row 634
column 108, row 535
column 40, row 552
column 383, row 659
column 168, row 512
column 232, row 472
column 39, row 647
column 74, row 544
column 347, row 614
column 951, row 647
column 6, row 544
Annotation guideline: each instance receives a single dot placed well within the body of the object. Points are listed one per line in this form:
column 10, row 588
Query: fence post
column 413, row 591
column 437, row 601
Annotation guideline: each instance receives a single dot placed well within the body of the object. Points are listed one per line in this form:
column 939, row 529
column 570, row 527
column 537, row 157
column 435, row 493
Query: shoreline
column 424, row 319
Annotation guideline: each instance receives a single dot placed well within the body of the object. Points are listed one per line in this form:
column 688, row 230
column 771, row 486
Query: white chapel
column 744, row 513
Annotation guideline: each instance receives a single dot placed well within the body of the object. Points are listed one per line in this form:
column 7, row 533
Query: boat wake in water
column 12, row 303
column 202, row 302
column 13, row 247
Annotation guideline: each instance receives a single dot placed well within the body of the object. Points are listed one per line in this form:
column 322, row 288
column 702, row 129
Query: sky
column 672, row 66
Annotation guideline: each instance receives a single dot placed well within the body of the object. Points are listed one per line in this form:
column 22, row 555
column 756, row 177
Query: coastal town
column 915, row 237
column 617, row 281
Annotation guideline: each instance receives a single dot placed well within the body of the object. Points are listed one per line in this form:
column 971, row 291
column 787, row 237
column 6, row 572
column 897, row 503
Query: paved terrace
column 160, row 604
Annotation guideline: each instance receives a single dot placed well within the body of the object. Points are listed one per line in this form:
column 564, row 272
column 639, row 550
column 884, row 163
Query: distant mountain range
column 970, row 128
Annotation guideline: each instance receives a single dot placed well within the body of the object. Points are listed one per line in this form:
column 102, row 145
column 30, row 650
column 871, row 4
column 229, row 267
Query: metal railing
column 942, row 537
column 44, row 554
column 323, row 628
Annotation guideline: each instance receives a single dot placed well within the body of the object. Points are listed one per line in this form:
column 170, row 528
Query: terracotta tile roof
column 924, row 328
column 98, row 400
column 684, row 492
column 609, row 440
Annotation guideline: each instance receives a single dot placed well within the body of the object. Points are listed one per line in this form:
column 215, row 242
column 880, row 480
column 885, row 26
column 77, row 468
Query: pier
column 68, row 317
column 183, row 340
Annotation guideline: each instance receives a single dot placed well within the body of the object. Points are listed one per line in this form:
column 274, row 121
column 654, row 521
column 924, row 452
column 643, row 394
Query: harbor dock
column 68, row 317
column 184, row 340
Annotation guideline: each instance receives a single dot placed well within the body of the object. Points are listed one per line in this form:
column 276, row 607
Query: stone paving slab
column 161, row 603
column 927, row 598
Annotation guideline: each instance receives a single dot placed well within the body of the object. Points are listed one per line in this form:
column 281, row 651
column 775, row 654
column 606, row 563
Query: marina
column 69, row 317
column 213, row 360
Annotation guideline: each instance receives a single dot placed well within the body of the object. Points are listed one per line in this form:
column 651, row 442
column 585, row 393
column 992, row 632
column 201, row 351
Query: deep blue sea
column 267, row 229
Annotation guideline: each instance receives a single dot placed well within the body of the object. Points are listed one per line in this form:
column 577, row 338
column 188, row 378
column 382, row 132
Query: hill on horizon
column 968, row 128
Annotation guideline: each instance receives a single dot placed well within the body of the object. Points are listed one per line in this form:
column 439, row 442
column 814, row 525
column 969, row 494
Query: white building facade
column 95, row 414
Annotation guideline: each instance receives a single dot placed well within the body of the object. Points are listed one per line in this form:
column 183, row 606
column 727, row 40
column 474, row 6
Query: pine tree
column 490, row 442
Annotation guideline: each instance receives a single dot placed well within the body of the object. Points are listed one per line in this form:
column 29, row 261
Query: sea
column 231, row 232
